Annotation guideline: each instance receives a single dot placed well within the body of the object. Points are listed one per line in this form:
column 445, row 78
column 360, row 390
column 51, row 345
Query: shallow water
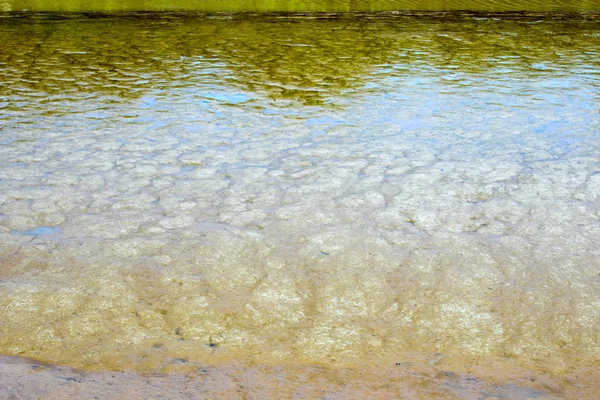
column 403, row 189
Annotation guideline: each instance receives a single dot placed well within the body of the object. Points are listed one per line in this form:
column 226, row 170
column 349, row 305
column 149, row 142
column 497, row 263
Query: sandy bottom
column 27, row 379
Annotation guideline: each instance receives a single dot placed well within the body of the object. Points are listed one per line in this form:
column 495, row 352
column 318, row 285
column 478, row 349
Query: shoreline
column 27, row 379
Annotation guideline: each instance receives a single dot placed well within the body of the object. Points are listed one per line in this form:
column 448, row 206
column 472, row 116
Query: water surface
column 406, row 189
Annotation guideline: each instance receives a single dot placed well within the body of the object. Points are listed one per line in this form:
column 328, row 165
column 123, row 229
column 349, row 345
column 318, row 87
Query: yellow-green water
column 419, row 189
column 299, row 5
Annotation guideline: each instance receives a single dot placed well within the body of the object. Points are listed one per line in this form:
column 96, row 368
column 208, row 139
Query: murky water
column 391, row 189
column 299, row 5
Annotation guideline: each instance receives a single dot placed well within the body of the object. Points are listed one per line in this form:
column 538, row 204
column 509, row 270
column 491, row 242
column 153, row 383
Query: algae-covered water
column 396, row 189
column 299, row 5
